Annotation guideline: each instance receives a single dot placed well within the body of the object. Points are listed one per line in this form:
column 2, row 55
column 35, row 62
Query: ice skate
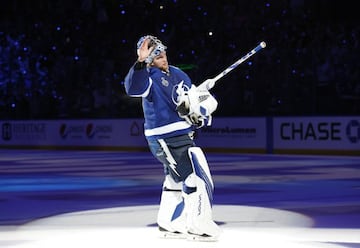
column 202, row 238
column 171, row 234
column 200, row 226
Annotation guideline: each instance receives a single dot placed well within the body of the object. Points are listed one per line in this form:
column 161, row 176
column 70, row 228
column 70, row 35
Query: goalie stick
column 210, row 83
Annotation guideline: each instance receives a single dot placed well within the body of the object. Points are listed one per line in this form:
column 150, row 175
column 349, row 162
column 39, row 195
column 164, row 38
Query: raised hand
column 144, row 49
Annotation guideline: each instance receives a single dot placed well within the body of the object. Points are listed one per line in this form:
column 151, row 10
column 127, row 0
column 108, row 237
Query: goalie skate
column 201, row 238
column 171, row 235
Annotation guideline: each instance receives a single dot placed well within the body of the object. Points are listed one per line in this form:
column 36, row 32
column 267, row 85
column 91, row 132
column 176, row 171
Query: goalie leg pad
column 198, row 195
column 171, row 215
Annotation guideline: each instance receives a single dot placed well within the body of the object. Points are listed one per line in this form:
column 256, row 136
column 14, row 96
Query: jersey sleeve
column 137, row 81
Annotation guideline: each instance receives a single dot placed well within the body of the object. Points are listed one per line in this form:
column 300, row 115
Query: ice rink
column 110, row 199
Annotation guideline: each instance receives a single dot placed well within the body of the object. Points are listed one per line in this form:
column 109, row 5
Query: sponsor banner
column 234, row 133
column 317, row 133
column 124, row 132
column 289, row 133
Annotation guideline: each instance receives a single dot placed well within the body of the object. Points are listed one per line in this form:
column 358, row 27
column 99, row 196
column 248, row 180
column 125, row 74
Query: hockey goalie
column 173, row 109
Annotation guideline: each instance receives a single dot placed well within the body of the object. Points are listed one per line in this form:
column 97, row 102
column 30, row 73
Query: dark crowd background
column 68, row 59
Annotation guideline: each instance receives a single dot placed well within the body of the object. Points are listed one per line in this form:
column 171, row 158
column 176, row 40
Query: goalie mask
column 157, row 45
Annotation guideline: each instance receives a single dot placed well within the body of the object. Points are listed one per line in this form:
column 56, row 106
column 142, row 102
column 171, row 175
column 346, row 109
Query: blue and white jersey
column 158, row 91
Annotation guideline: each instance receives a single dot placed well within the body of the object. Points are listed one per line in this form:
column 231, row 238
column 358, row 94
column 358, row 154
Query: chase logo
column 6, row 131
column 353, row 131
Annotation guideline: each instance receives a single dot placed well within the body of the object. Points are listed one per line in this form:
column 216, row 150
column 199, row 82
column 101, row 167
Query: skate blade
column 201, row 238
column 172, row 235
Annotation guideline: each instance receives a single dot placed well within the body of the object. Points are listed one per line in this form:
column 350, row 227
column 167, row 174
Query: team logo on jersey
column 178, row 91
column 164, row 82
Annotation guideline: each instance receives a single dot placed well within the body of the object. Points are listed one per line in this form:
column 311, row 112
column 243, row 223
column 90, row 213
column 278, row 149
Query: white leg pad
column 198, row 204
column 171, row 215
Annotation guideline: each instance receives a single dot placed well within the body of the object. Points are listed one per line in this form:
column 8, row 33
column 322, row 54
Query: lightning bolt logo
column 169, row 157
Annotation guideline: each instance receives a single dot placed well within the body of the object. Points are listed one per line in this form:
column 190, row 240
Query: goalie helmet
column 157, row 45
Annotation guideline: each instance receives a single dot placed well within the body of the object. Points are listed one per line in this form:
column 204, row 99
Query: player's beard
column 164, row 67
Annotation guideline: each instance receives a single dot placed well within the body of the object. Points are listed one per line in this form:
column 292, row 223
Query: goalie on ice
column 173, row 108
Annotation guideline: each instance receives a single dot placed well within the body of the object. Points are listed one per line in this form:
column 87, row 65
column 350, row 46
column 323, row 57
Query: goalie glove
column 196, row 106
column 194, row 119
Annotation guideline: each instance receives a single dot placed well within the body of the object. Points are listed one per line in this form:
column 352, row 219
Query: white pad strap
column 170, row 184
